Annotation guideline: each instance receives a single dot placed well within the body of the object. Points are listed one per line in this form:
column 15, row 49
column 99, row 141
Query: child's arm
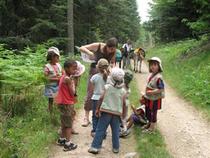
column 134, row 109
column 124, row 106
column 99, row 104
column 71, row 84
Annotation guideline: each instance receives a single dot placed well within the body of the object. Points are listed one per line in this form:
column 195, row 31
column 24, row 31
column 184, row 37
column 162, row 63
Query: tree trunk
column 70, row 20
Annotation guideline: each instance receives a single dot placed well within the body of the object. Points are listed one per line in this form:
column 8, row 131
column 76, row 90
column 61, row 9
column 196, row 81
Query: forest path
column 83, row 140
column 185, row 130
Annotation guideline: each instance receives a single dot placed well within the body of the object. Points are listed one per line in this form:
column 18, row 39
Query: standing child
column 66, row 99
column 98, row 81
column 110, row 111
column 154, row 92
column 53, row 72
column 127, row 79
column 118, row 57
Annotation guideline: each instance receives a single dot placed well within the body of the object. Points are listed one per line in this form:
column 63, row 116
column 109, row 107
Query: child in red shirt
column 66, row 99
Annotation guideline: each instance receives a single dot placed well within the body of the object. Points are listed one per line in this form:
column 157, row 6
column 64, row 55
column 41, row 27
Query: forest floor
column 185, row 130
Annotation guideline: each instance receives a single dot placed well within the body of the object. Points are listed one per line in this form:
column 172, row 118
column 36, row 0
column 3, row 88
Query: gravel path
column 185, row 130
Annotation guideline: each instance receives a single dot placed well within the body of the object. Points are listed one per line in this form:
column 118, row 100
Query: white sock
column 68, row 142
column 62, row 138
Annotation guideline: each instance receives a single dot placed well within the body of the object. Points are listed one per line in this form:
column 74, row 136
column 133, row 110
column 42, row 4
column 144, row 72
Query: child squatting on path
column 52, row 72
column 97, row 84
column 154, row 93
column 66, row 99
column 111, row 109
column 127, row 79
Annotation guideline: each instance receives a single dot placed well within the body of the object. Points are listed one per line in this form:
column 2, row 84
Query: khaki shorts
column 67, row 115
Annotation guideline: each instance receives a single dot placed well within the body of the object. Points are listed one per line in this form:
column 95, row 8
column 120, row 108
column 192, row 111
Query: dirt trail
column 84, row 140
column 186, row 132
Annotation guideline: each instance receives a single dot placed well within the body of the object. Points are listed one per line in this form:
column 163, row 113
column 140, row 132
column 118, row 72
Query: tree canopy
column 25, row 22
column 177, row 19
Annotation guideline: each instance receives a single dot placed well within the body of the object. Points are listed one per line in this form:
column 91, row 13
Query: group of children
column 110, row 101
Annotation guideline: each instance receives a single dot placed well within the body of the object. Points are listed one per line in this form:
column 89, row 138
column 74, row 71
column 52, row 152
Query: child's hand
column 149, row 92
column 98, row 113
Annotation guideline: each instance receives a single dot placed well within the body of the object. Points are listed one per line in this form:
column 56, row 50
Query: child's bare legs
column 130, row 122
column 50, row 105
column 86, row 119
column 66, row 133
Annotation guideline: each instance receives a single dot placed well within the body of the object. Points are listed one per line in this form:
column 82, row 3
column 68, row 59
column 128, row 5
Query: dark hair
column 153, row 61
column 69, row 63
column 112, row 42
column 51, row 55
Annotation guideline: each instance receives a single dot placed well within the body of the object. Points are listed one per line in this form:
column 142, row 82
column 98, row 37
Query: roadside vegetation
column 26, row 127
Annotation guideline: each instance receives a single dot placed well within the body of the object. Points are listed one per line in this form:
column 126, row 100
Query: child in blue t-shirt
column 97, row 84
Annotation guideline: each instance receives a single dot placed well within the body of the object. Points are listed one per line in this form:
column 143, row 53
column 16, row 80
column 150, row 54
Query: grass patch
column 186, row 68
column 148, row 145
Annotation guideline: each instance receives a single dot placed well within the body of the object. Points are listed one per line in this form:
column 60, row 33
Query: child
column 66, row 100
column 110, row 111
column 118, row 57
column 97, row 82
column 127, row 79
column 154, row 92
column 137, row 117
column 53, row 72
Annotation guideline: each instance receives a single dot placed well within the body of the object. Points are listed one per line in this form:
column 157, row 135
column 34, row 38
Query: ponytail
column 104, row 71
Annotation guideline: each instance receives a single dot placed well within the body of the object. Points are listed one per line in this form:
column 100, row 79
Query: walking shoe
column 115, row 151
column 148, row 131
column 93, row 150
column 124, row 133
column 93, row 134
column 74, row 132
column 69, row 147
column 61, row 142
column 86, row 122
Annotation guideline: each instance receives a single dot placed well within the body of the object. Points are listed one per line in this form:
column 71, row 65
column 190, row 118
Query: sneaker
column 145, row 126
column 74, row 132
column 148, row 131
column 86, row 122
column 61, row 142
column 93, row 150
column 69, row 147
column 93, row 134
column 124, row 133
column 115, row 151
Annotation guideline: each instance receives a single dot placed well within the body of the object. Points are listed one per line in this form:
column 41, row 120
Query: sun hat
column 158, row 60
column 141, row 107
column 116, row 77
column 80, row 69
column 117, row 74
column 102, row 63
column 128, row 76
column 54, row 50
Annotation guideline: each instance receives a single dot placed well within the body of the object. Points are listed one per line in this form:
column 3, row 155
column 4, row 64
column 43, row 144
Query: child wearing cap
column 127, row 79
column 97, row 84
column 137, row 117
column 52, row 72
column 109, row 111
column 66, row 99
column 154, row 93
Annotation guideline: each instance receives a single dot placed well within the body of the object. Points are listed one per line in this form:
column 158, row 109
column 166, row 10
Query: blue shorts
column 51, row 90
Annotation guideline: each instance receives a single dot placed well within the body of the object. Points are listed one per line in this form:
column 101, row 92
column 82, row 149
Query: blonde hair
column 104, row 70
